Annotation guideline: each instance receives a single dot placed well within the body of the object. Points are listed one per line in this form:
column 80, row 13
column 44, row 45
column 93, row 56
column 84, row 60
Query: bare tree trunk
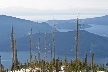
column 93, row 62
column 39, row 48
column 86, row 58
column 77, row 37
column 46, row 47
column 31, row 46
column 13, row 50
column 51, row 50
column 53, row 40
column 0, row 65
column 57, row 68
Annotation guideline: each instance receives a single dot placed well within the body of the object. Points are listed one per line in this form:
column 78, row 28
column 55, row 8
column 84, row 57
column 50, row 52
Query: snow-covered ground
column 26, row 70
column 35, row 70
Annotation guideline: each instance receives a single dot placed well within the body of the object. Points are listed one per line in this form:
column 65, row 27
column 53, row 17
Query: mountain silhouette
column 64, row 43
column 21, row 27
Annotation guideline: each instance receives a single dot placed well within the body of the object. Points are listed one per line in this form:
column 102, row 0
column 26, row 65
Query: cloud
column 37, row 14
column 21, row 11
column 55, row 4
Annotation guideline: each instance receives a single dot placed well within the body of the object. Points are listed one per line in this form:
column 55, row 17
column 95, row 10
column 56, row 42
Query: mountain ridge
column 21, row 27
column 65, row 43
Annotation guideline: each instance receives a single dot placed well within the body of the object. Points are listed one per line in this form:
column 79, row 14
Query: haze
column 46, row 9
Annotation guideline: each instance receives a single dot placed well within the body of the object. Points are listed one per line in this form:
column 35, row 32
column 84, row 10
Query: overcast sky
column 25, row 8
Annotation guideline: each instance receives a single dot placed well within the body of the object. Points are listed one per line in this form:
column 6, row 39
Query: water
column 98, row 29
column 24, row 55
column 64, row 30
column 6, row 58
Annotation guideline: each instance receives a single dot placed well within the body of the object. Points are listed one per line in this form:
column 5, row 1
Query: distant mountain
column 84, row 23
column 67, row 24
column 21, row 27
column 65, row 43
column 97, row 20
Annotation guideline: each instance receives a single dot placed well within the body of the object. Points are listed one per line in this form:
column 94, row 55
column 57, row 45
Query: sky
column 59, row 9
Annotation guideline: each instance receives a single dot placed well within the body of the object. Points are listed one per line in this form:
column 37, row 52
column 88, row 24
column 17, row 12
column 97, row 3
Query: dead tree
column 13, row 50
column 57, row 67
column 0, row 65
column 39, row 47
column 51, row 50
column 53, row 40
column 77, row 38
column 46, row 51
column 15, row 56
column 92, row 67
column 86, row 58
column 12, row 40
column 31, row 45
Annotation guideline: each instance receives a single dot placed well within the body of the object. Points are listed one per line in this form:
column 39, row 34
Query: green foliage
column 73, row 65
